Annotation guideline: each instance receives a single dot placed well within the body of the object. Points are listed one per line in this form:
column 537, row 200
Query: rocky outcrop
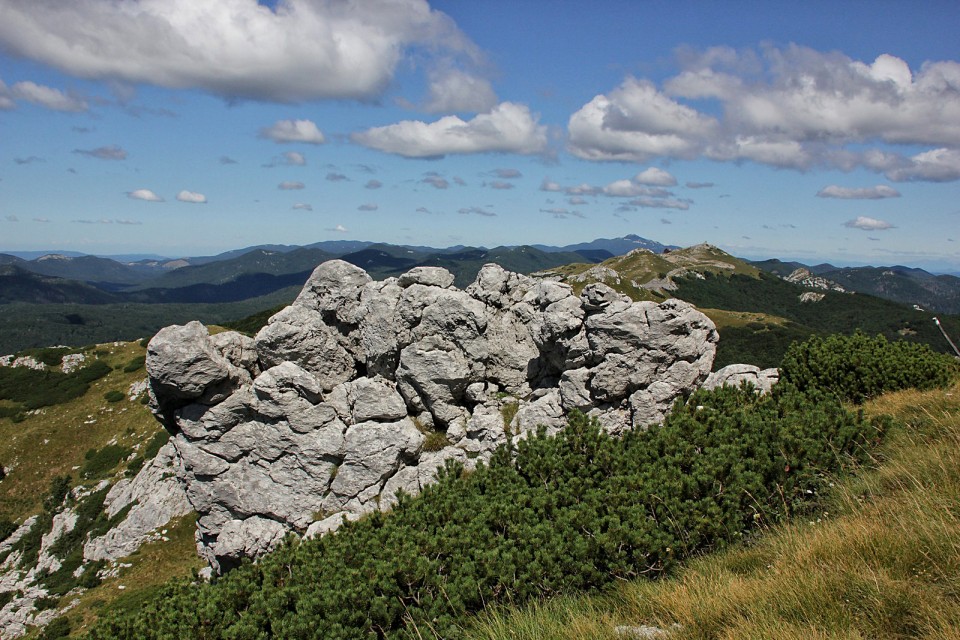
column 734, row 375
column 361, row 389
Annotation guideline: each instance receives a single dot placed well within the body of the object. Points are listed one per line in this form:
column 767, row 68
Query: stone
column 326, row 411
column 734, row 375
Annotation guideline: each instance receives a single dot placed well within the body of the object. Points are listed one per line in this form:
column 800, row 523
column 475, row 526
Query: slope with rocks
column 362, row 389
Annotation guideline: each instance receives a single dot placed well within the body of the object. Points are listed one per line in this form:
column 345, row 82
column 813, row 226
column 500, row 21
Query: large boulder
column 361, row 390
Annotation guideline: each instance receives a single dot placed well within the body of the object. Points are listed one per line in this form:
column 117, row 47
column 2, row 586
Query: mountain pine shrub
column 554, row 515
column 858, row 367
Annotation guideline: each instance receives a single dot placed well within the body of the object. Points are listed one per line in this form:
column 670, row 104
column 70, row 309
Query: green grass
column 880, row 559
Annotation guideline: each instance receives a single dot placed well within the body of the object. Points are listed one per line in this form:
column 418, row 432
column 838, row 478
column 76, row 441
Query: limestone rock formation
column 734, row 375
column 360, row 389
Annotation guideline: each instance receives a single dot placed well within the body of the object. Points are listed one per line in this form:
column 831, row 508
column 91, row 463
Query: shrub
column 858, row 367
column 7, row 527
column 554, row 515
column 135, row 365
column 99, row 462
column 114, row 396
column 58, row 628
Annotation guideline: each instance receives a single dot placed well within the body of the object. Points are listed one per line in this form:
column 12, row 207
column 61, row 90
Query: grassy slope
column 54, row 440
column 880, row 559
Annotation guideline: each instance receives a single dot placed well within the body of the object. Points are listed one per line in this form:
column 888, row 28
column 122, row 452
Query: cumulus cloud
column 456, row 91
column 368, row 207
column 865, row 193
column 631, row 189
column 507, row 174
column 47, row 97
column 507, row 128
column 192, row 197
column 290, row 185
column 550, row 185
column 646, row 202
column 284, row 131
column 699, row 185
column 655, row 177
column 302, row 206
column 791, row 107
column 936, row 165
column 338, row 229
column 373, row 184
column 294, row 159
column 336, row 177
column 144, row 194
column 299, row 50
column 436, row 181
column 500, row 184
column 112, row 152
column 577, row 201
column 868, row 224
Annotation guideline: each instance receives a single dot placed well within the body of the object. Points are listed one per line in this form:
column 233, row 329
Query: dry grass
column 53, row 440
column 881, row 561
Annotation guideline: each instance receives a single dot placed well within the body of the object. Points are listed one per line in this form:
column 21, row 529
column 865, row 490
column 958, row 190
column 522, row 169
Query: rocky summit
column 361, row 389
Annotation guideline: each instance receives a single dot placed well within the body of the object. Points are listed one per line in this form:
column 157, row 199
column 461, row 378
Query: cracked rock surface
column 362, row 388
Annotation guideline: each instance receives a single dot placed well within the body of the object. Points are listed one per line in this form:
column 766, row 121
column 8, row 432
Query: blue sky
column 817, row 131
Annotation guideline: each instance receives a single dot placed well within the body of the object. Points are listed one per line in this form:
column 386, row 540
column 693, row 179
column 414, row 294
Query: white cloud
column 637, row 123
column 453, row 90
column 191, row 196
column 290, row 185
column 112, row 152
column 338, row 229
column 507, row 174
column 336, row 177
column 294, row 159
column 868, row 224
column 144, row 194
column 507, row 128
column 47, row 97
column 562, row 214
column 302, row 206
column 549, row 185
column 283, row 131
column 865, row 193
column 373, row 184
column 936, row 165
column 240, row 49
column 647, row 202
column 699, row 185
column 577, row 201
column 500, row 184
column 655, row 177
column 632, row 189
column 791, row 107
column 368, row 207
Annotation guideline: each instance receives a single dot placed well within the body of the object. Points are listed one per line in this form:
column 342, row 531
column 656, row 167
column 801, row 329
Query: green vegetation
column 114, row 396
column 558, row 515
column 879, row 558
column 136, row 364
column 858, row 367
column 99, row 462
column 32, row 389
column 835, row 313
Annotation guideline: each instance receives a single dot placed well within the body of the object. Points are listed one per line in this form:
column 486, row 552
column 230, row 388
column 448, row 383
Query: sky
column 817, row 131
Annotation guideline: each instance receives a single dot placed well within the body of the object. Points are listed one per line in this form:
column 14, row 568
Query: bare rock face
column 361, row 389
column 734, row 375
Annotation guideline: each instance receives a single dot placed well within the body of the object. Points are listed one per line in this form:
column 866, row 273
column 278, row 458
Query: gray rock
column 184, row 366
column 429, row 276
column 733, row 375
column 316, row 414
column 157, row 497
